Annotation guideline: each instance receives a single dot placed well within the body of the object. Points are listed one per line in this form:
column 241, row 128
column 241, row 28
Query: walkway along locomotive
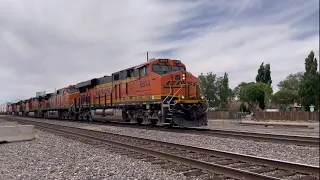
column 159, row 91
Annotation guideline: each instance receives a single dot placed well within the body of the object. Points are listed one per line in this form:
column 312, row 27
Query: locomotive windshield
column 161, row 69
column 178, row 68
column 165, row 69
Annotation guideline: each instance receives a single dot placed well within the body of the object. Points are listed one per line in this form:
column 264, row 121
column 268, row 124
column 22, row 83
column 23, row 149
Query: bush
column 243, row 108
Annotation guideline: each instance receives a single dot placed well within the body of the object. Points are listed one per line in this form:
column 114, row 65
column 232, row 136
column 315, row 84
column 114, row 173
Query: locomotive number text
column 144, row 83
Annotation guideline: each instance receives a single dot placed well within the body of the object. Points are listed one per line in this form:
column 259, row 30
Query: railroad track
column 192, row 161
column 283, row 138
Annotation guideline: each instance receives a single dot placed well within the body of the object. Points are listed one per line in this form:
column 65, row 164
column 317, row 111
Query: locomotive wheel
column 168, row 126
column 139, row 121
column 89, row 118
column 154, row 122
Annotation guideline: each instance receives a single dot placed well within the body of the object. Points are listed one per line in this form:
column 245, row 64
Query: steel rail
column 281, row 138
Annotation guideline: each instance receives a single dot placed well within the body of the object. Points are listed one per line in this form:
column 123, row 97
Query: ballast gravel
column 2, row 120
column 54, row 157
column 284, row 152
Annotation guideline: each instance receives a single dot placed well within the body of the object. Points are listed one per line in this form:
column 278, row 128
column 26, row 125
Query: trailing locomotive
column 159, row 91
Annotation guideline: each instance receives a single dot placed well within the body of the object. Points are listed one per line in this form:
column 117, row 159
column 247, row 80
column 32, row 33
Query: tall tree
column 260, row 75
column 309, row 87
column 224, row 94
column 267, row 77
column 292, row 82
column 264, row 74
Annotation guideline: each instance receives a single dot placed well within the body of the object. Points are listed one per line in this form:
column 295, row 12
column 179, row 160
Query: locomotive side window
column 161, row 69
column 72, row 90
column 143, row 71
column 116, row 77
column 129, row 73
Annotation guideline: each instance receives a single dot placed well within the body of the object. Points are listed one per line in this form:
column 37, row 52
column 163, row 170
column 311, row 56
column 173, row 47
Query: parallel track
column 197, row 161
column 283, row 138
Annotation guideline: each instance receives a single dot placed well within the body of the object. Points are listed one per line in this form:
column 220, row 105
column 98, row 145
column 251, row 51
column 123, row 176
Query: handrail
column 71, row 105
column 167, row 95
column 174, row 96
column 207, row 104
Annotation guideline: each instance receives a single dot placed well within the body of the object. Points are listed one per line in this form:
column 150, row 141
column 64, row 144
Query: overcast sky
column 53, row 43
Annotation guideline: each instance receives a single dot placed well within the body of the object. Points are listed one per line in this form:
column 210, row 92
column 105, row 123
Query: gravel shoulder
column 231, row 125
column 292, row 153
column 2, row 120
column 54, row 157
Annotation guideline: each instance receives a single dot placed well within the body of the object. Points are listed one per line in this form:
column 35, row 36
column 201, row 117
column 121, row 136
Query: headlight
column 182, row 97
column 183, row 76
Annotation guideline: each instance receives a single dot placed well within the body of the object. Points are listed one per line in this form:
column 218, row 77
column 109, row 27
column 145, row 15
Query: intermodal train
column 157, row 92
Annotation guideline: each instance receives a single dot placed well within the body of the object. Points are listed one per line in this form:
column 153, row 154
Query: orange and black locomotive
column 159, row 91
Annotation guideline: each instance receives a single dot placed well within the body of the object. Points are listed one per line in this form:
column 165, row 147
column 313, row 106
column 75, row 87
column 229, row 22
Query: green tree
column 207, row 86
column 231, row 95
column 292, row 82
column 255, row 94
column 309, row 87
column 285, row 98
column 224, row 92
column 215, row 89
column 238, row 91
column 260, row 75
column 210, row 88
column 264, row 74
column 317, row 96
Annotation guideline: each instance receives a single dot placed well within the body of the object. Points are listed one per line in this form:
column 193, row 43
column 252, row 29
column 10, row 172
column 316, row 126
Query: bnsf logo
column 104, row 91
column 177, row 83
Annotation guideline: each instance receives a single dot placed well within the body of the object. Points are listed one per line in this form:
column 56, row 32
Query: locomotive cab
column 178, row 93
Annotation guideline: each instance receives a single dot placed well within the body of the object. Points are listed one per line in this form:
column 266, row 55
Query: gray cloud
column 50, row 44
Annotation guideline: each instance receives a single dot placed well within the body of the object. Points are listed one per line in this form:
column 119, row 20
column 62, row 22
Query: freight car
column 159, row 91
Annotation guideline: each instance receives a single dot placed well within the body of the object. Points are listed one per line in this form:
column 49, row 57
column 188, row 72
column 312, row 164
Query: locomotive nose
column 180, row 75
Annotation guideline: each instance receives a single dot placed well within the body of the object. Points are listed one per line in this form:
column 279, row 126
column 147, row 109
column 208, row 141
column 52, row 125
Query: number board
column 144, row 83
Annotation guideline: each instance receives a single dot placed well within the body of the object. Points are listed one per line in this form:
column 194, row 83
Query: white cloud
column 50, row 44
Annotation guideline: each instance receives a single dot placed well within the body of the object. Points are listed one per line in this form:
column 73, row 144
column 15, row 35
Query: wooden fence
column 218, row 115
column 291, row 116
